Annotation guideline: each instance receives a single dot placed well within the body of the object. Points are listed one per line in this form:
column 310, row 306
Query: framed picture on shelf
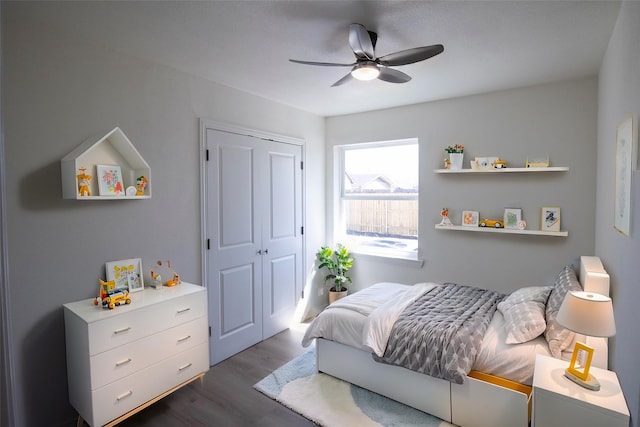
column 127, row 274
column 626, row 146
column 109, row 180
column 512, row 218
column 550, row 218
column 470, row 218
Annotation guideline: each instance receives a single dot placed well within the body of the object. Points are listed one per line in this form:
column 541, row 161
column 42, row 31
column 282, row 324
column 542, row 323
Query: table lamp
column 586, row 313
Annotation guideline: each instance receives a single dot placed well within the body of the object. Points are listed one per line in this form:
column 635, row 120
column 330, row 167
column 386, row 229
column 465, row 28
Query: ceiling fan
column 368, row 67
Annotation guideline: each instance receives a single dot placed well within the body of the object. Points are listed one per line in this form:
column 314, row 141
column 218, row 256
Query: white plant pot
column 456, row 160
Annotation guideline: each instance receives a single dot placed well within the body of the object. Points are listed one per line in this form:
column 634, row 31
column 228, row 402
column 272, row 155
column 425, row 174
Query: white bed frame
column 475, row 403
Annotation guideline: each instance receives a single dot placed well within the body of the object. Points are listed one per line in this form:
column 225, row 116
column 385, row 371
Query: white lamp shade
column 587, row 313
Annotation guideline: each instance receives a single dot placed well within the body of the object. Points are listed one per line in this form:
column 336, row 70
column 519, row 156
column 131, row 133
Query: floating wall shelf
column 114, row 148
column 505, row 170
column 502, row 230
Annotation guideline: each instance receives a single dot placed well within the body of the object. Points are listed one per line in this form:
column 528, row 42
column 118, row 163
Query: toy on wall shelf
column 110, row 296
column 445, row 217
column 84, row 181
column 141, row 184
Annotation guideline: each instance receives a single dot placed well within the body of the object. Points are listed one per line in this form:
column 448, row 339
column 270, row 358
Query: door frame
column 240, row 130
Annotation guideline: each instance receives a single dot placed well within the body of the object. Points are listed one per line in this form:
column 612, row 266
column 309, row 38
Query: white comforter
column 364, row 320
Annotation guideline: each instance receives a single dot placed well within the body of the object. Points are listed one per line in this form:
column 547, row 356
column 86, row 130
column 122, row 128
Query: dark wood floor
column 227, row 397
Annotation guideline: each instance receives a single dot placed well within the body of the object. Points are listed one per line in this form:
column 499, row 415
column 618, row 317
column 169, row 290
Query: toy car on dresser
column 116, row 297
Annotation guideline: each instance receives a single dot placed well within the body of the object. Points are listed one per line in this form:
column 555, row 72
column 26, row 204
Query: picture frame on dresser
column 127, row 274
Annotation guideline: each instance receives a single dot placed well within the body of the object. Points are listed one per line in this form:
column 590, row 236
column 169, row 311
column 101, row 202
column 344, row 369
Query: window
column 379, row 198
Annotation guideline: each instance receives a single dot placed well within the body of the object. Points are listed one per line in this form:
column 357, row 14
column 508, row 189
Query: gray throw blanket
column 440, row 334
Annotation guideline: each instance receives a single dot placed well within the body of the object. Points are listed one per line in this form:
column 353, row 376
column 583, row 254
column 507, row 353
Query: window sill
column 389, row 259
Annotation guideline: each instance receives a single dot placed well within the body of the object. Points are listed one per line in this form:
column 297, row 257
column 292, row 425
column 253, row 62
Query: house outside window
column 379, row 198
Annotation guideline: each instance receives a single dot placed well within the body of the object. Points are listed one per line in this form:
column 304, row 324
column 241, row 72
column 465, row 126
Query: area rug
column 330, row 402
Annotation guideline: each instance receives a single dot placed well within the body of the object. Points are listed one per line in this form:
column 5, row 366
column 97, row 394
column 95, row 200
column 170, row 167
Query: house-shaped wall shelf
column 112, row 149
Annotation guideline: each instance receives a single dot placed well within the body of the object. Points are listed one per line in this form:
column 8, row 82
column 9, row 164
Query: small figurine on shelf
column 447, row 164
column 83, row 183
column 141, row 184
column 445, row 217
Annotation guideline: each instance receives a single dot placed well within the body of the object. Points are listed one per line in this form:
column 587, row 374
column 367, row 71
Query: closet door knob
column 259, row 252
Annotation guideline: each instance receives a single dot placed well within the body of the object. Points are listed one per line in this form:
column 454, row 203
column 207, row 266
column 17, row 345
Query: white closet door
column 254, row 261
column 282, row 237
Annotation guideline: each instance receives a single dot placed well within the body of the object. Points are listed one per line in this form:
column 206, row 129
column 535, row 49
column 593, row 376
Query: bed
column 350, row 336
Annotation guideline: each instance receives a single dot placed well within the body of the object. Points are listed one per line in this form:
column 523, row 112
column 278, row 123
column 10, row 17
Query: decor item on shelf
column 500, row 164
column 470, row 218
column 338, row 262
column 586, row 313
column 537, row 162
column 626, row 147
column 84, row 181
column 127, row 274
column 141, row 184
column 110, row 180
column 549, row 218
column 445, row 217
column 512, row 218
column 494, row 223
column 486, row 163
column 447, row 164
column 175, row 277
column 522, row 224
column 455, row 155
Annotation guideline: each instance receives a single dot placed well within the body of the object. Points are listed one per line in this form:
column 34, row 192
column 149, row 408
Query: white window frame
column 340, row 213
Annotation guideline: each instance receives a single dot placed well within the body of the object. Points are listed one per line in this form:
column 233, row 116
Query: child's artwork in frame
column 512, row 218
column 470, row 218
column 127, row 274
column 550, row 218
column 110, row 180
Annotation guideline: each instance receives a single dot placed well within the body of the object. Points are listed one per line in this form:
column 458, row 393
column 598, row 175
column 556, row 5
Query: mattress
column 349, row 321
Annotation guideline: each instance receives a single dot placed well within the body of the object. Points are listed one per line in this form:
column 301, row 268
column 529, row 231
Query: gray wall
column 619, row 95
column 57, row 92
column 556, row 119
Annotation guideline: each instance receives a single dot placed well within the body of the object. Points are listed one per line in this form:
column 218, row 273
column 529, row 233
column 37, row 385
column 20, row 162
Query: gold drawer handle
column 184, row 338
column 120, row 331
column 123, row 362
column 123, row 395
column 182, row 368
column 184, row 310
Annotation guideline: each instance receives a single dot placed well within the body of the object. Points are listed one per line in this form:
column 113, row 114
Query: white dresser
column 120, row 361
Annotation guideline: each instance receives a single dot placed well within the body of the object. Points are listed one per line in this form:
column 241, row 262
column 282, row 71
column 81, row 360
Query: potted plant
column 337, row 262
column 455, row 155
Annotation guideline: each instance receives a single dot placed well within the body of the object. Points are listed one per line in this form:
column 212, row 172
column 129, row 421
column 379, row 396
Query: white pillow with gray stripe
column 523, row 313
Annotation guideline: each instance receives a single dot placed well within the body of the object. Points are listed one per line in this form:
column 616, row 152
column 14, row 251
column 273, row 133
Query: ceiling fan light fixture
column 365, row 71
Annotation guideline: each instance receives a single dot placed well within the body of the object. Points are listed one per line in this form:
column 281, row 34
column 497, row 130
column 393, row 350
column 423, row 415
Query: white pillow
column 523, row 313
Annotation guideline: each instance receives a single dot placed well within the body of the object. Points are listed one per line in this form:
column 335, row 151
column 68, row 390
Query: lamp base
column 591, row 382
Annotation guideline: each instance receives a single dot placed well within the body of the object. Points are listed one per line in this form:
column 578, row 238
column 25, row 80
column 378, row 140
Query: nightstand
column 557, row 401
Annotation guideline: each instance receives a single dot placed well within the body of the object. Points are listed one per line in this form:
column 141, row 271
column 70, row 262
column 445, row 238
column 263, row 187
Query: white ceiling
column 489, row 45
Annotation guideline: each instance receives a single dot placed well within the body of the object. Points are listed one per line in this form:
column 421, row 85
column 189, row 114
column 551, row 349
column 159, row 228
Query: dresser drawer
column 111, row 365
column 115, row 399
column 132, row 324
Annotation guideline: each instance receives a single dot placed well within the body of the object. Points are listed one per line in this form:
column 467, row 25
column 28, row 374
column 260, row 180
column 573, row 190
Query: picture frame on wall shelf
column 626, row 162
column 512, row 218
column 127, row 274
column 550, row 218
column 110, row 181
column 470, row 218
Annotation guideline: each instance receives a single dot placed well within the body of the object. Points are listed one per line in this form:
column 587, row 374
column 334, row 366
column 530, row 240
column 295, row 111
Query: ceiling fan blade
column 360, row 41
column 325, row 64
column 410, row 56
column 393, row 76
column 343, row 80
